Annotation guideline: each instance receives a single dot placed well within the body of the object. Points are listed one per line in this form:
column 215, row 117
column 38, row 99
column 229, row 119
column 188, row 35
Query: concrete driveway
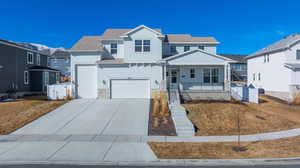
column 94, row 117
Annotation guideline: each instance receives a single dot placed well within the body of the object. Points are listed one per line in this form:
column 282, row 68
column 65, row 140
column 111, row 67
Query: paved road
column 93, row 166
column 94, row 117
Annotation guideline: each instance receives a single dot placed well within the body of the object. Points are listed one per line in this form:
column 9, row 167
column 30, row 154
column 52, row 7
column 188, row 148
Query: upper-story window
column 173, row 49
column 259, row 76
column 186, row 48
column 142, row 45
column 253, row 76
column 201, row 47
column 192, row 73
column 38, row 59
column 298, row 55
column 29, row 58
column 113, row 48
column 266, row 58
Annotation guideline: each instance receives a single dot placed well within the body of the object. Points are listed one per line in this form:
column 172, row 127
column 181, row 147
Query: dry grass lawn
column 18, row 113
column 281, row 148
column 220, row 118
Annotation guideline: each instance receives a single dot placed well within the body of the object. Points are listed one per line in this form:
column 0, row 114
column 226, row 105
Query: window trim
column 142, row 45
column 114, row 48
column 298, row 55
column 26, row 77
column 211, row 76
column 174, row 47
column 201, row 47
column 38, row 59
column 188, row 48
column 30, row 55
column 192, row 73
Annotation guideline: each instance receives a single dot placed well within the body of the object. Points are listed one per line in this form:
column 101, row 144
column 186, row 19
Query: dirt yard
column 220, row 118
column 18, row 113
column 281, row 148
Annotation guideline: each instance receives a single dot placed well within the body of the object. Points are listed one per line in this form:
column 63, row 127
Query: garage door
column 133, row 88
column 86, row 76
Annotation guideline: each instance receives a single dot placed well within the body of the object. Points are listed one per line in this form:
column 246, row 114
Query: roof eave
column 194, row 42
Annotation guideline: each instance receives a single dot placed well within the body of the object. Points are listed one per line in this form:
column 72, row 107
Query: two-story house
column 276, row 68
column 23, row 69
column 60, row 60
column 238, row 68
column 134, row 63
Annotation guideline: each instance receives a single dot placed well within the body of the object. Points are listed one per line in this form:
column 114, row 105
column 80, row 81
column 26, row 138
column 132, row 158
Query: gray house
column 60, row 60
column 23, row 69
column 238, row 68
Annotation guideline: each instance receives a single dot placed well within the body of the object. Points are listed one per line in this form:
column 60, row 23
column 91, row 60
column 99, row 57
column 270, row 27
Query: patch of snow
column 44, row 48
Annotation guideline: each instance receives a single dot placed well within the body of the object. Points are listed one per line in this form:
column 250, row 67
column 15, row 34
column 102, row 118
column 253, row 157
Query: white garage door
column 130, row 88
column 86, row 81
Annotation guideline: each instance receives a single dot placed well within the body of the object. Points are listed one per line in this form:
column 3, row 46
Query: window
column 113, row 48
column 215, row 75
column 237, row 67
column 142, row 45
column 201, row 47
column 173, row 49
column 298, row 55
column 254, row 77
column 268, row 60
column 38, row 59
column 146, row 45
column 206, row 75
column 138, row 45
column 259, row 76
column 29, row 58
column 265, row 58
column 46, row 78
column 186, row 48
column 192, row 73
column 26, row 77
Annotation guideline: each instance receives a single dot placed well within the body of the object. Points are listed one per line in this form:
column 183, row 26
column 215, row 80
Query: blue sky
column 242, row 26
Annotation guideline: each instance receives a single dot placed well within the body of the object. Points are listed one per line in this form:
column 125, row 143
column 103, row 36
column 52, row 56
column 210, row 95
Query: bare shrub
column 297, row 99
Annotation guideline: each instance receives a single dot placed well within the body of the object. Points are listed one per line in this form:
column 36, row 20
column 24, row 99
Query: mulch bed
column 163, row 129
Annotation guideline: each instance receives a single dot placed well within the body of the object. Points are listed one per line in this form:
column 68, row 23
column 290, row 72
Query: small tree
column 238, row 148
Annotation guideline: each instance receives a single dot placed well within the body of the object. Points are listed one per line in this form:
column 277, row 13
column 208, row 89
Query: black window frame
column 186, row 48
column 113, row 48
column 192, row 73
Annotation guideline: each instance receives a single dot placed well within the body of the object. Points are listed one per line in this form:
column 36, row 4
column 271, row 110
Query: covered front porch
column 198, row 75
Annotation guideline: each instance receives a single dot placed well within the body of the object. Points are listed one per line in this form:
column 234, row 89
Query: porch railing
column 203, row 86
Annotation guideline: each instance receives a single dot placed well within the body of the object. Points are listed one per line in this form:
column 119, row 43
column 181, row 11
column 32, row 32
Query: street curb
column 169, row 162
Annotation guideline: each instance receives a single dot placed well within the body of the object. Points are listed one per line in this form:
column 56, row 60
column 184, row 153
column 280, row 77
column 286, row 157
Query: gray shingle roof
column 278, row 46
column 186, row 38
column 116, row 33
column 90, row 43
column 237, row 57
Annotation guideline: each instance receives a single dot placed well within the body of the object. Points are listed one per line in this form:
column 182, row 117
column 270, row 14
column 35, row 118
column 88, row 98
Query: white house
column 276, row 68
column 135, row 63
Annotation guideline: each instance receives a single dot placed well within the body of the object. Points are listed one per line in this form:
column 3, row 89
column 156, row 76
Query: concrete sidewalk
column 145, row 138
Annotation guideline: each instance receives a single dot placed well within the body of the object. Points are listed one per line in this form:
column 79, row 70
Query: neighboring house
column 135, row 63
column 23, row 69
column 60, row 60
column 238, row 68
column 276, row 68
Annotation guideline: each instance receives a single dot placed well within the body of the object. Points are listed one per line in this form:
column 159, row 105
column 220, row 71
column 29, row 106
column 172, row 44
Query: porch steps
column 183, row 125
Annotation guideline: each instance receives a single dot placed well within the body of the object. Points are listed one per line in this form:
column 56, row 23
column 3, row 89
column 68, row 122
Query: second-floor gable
column 143, row 44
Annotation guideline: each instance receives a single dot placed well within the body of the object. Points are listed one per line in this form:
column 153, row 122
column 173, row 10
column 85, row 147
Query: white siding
column 82, row 58
column 180, row 48
column 137, row 71
column 155, row 53
column 197, row 58
column 291, row 54
column 197, row 82
column 295, row 77
column 274, row 75
column 106, row 47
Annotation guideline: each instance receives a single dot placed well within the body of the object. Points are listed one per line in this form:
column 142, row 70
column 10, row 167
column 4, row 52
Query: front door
column 174, row 79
